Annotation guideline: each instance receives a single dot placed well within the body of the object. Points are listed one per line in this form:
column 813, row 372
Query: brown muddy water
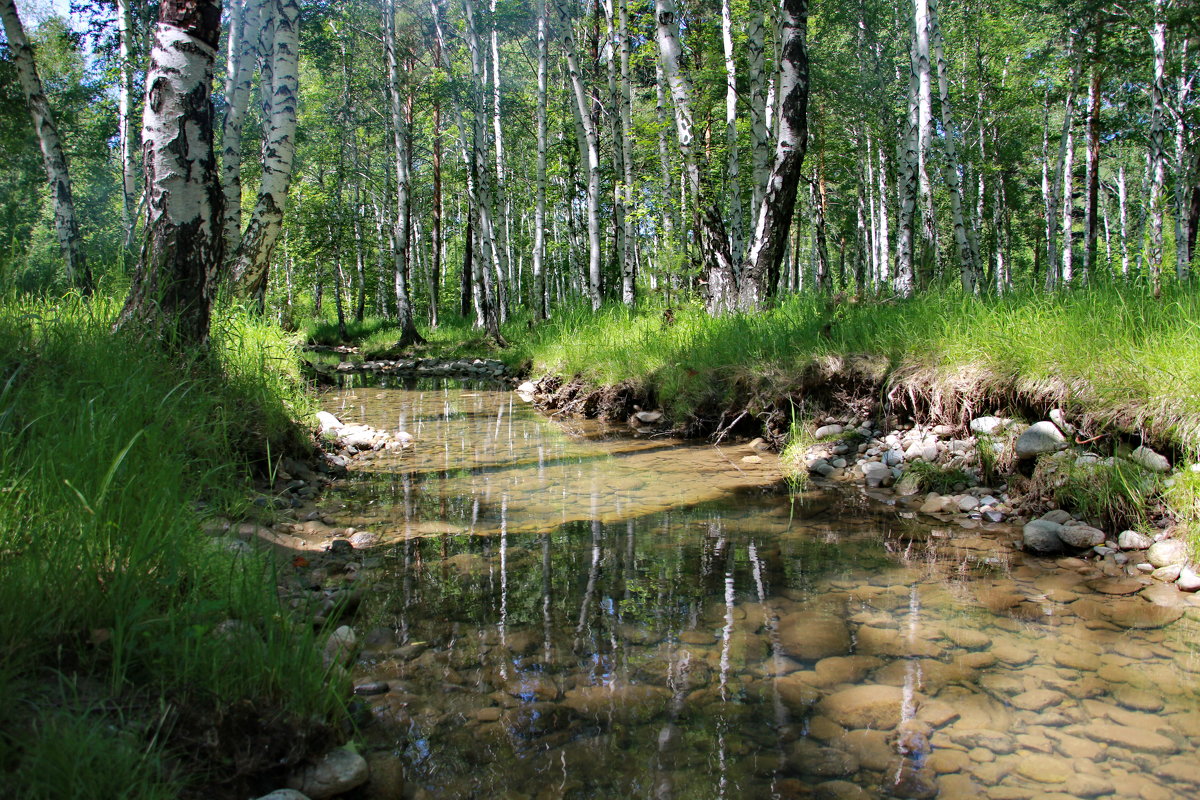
column 567, row 609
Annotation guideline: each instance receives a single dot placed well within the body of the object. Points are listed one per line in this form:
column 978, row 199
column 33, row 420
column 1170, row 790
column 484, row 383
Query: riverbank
column 143, row 656
column 1120, row 364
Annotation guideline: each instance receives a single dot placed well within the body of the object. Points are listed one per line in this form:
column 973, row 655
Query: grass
column 113, row 651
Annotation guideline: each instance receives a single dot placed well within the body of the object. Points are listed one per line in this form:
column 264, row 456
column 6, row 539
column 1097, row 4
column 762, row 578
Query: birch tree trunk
column 904, row 282
column 126, row 133
column 245, row 28
column 1184, row 175
column 1156, row 153
column 539, row 214
column 405, row 319
column 719, row 267
column 1055, row 194
column 590, row 150
column 500, row 208
column 628, row 257
column 669, row 224
column 1092, row 171
column 760, row 141
column 924, row 128
column 1123, row 214
column 1068, row 210
column 733, row 189
column 173, row 286
column 484, row 226
column 66, row 223
column 253, row 260
column 968, row 268
column 774, row 221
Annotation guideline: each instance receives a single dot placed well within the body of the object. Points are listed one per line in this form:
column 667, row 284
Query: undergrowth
column 118, row 657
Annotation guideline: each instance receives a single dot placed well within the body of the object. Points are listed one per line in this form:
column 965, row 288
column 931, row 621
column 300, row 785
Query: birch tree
column 539, row 215
column 589, row 149
column 1156, row 154
column 245, row 30
column 253, row 259
column 172, row 292
column 66, row 223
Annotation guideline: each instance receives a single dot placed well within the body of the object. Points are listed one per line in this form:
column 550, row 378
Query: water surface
column 568, row 609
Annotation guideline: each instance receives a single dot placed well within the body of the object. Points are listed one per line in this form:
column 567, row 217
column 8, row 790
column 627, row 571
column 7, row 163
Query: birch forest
column 413, row 159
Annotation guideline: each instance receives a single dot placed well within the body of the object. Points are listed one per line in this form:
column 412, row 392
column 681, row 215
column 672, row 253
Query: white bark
column 501, row 216
column 924, row 125
column 629, row 260
column 1184, row 176
column 759, row 137
column 733, row 189
column 1156, row 152
column 245, row 28
column 1068, row 210
column 539, row 217
column 590, row 150
column 904, row 281
column 1123, row 213
column 126, row 132
column 1054, row 195
column 405, row 319
column 66, row 223
column 173, row 287
column 968, row 268
column 253, row 260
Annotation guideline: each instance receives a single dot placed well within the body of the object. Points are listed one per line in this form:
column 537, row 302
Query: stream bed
column 568, row 609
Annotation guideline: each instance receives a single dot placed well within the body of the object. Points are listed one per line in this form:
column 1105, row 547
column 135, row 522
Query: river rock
column 1168, row 552
column 1141, row 615
column 1080, row 535
column 868, row 706
column 1044, row 769
column 1042, row 536
column 1132, row 540
column 285, row 794
column 811, row 638
column 617, row 701
column 1041, row 437
column 526, row 391
column 649, row 417
column 809, row 758
column 877, row 474
column 1139, row 739
column 1189, row 580
column 989, row 426
column 825, row 431
column 1167, row 574
column 1060, row 419
column 328, row 422
column 339, row 648
column 1155, row 462
column 336, row 773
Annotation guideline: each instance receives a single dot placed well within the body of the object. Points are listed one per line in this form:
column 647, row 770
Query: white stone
column 649, row 417
column 1132, row 540
column 285, row 794
column 828, row 430
column 1060, row 419
column 1189, row 580
column 1168, row 552
column 328, row 422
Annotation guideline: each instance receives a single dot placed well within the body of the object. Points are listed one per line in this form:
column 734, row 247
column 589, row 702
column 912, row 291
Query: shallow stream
column 569, row 609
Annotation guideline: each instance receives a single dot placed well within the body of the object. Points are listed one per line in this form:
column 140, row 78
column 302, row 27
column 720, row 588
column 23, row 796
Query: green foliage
column 936, row 478
column 1182, row 495
column 111, row 455
column 1118, row 495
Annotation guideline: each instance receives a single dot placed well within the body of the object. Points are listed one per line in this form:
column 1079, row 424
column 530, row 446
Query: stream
column 569, row 609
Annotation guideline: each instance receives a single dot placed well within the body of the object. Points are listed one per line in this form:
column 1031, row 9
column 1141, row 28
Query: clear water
column 568, row 609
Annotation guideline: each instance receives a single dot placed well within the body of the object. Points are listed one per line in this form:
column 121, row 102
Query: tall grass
column 1113, row 349
column 114, row 606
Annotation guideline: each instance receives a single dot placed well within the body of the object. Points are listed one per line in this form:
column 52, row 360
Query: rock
column 1116, row 586
column 371, row 688
column 1077, row 534
column 649, row 417
column 1041, row 536
column 387, row 776
column 285, row 794
column 811, row 638
column 362, row 539
column 1057, row 515
column 868, row 706
column 988, row 425
column 1130, row 738
column 809, row 758
column 622, row 702
column 1132, row 540
column 968, row 502
column 336, row 773
column 339, row 648
column 825, row 431
column 1041, row 437
column 328, row 422
column 526, row 391
column 1155, row 462
column 1168, row 552
column 910, row 781
column 893, row 457
column 1044, row 769
column 1189, row 580
column 1168, row 574
column 876, row 474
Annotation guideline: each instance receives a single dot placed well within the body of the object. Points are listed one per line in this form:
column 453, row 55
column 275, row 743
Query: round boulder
column 1041, row 437
column 868, row 706
column 1042, row 536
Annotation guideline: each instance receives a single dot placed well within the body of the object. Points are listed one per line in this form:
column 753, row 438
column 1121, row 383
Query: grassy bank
column 1113, row 356
column 142, row 658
